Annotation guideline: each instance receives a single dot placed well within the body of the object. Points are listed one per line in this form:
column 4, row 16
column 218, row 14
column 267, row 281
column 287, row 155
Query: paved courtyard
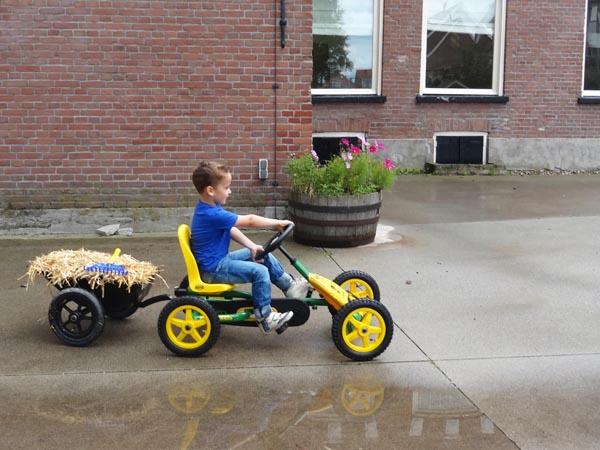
column 493, row 284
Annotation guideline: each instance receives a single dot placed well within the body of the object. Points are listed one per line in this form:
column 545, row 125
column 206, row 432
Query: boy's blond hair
column 209, row 173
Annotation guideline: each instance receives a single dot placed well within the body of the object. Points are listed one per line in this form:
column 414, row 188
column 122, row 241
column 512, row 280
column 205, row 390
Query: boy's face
column 222, row 190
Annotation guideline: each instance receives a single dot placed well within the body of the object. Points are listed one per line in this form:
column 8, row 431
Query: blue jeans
column 239, row 267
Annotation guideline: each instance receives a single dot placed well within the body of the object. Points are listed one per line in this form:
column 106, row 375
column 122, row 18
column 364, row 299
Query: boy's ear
column 210, row 190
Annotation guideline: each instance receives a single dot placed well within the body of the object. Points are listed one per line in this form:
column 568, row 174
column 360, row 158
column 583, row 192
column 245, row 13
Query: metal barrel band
column 334, row 223
column 333, row 209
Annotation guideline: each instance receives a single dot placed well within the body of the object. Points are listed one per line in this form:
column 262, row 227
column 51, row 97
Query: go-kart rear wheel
column 188, row 326
column 76, row 317
column 362, row 329
column 358, row 284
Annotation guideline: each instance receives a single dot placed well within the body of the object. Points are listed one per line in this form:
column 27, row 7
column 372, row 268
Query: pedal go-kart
column 189, row 324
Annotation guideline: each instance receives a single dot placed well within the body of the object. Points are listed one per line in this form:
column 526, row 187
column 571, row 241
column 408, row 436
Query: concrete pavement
column 493, row 285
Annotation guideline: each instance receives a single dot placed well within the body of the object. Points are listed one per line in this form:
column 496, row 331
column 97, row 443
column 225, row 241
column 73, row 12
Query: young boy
column 212, row 230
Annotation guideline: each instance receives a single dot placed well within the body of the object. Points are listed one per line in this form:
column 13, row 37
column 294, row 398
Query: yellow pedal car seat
column 195, row 281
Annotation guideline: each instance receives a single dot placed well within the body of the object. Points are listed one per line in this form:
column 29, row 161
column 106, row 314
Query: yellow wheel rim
column 363, row 330
column 357, row 288
column 361, row 400
column 188, row 327
column 188, row 399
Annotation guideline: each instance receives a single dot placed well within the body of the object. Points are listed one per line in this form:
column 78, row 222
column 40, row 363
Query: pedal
column 282, row 328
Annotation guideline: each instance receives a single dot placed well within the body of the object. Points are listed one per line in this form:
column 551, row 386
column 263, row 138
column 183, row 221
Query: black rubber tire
column 358, row 274
column 207, row 310
column 87, row 309
column 349, row 309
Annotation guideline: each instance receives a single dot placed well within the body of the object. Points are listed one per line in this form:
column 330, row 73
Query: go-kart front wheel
column 357, row 284
column 188, row 326
column 362, row 329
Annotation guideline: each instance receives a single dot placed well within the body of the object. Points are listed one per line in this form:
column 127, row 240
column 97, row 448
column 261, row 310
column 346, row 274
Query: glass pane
column 342, row 44
column 460, row 44
column 592, row 47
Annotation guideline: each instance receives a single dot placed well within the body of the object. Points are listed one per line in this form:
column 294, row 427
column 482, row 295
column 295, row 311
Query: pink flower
column 354, row 149
column 388, row 164
column 379, row 145
column 373, row 149
column 345, row 142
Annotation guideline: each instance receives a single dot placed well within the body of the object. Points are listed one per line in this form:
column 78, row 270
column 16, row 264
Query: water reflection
column 350, row 407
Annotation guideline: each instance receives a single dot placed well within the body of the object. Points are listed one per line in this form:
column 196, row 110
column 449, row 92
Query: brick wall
column 113, row 103
column 543, row 70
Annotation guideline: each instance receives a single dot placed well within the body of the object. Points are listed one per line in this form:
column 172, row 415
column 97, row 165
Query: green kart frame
column 189, row 324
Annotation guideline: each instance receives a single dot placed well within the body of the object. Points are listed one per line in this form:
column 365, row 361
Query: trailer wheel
column 76, row 317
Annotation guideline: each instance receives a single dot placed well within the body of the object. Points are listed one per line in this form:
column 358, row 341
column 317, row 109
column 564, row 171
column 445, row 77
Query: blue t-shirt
column 211, row 234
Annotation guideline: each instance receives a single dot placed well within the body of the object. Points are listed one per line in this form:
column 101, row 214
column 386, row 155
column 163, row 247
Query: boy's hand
column 254, row 249
column 281, row 224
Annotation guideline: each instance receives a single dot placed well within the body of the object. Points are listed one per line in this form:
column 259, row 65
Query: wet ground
column 493, row 286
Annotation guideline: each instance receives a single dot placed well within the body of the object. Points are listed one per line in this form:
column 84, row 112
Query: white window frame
column 461, row 133
column 586, row 93
column 498, row 65
column 377, row 52
column 340, row 134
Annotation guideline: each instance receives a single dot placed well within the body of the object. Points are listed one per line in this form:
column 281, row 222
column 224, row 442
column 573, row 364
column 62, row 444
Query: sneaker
column 298, row 288
column 274, row 321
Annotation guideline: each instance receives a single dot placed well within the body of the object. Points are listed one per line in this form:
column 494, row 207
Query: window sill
column 320, row 99
column 588, row 100
column 435, row 98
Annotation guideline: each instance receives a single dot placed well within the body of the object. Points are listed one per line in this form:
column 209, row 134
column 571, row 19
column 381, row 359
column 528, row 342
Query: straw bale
column 65, row 267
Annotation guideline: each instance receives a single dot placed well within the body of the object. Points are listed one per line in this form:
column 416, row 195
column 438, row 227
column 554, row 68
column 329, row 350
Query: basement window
column 460, row 148
column 327, row 145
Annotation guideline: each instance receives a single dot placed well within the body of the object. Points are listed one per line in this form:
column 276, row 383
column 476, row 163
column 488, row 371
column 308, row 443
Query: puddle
column 354, row 406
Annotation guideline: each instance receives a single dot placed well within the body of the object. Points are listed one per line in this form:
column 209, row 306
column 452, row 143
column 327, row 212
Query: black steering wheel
column 275, row 242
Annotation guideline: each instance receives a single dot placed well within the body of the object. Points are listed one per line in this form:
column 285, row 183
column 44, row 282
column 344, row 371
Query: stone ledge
column 465, row 169
column 32, row 222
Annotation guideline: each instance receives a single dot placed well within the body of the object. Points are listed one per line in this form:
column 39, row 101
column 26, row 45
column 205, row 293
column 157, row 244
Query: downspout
column 282, row 27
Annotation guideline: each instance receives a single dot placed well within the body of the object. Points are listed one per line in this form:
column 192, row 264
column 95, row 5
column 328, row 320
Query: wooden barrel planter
column 345, row 221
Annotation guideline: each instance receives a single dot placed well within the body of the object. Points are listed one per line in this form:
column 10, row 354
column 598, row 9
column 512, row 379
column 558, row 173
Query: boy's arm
column 254, row 221
column 241, row 238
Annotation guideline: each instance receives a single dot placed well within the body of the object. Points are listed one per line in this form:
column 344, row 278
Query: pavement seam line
column 445, row 375
column 330, row 255
column 484, row 358
column 473, row 403
column 206, row 369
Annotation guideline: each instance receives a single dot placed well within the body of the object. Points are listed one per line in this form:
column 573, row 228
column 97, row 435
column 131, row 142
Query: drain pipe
column 275, row 86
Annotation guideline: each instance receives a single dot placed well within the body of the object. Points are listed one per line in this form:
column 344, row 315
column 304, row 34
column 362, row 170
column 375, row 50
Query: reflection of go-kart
column 287, row 414
column 189, row 324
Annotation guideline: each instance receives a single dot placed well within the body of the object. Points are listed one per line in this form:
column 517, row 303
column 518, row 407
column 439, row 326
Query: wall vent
column 460, row 148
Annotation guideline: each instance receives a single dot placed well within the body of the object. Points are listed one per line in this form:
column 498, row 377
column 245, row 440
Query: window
column 591, row 74
column 346, row 46
column 327, row 145
column 460, row 148
column 463, row 47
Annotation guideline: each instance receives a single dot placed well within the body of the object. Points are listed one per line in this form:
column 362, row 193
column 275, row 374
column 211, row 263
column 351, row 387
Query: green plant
column 354, row 171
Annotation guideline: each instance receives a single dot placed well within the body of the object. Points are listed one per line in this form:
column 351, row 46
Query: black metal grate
column 459, row 150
